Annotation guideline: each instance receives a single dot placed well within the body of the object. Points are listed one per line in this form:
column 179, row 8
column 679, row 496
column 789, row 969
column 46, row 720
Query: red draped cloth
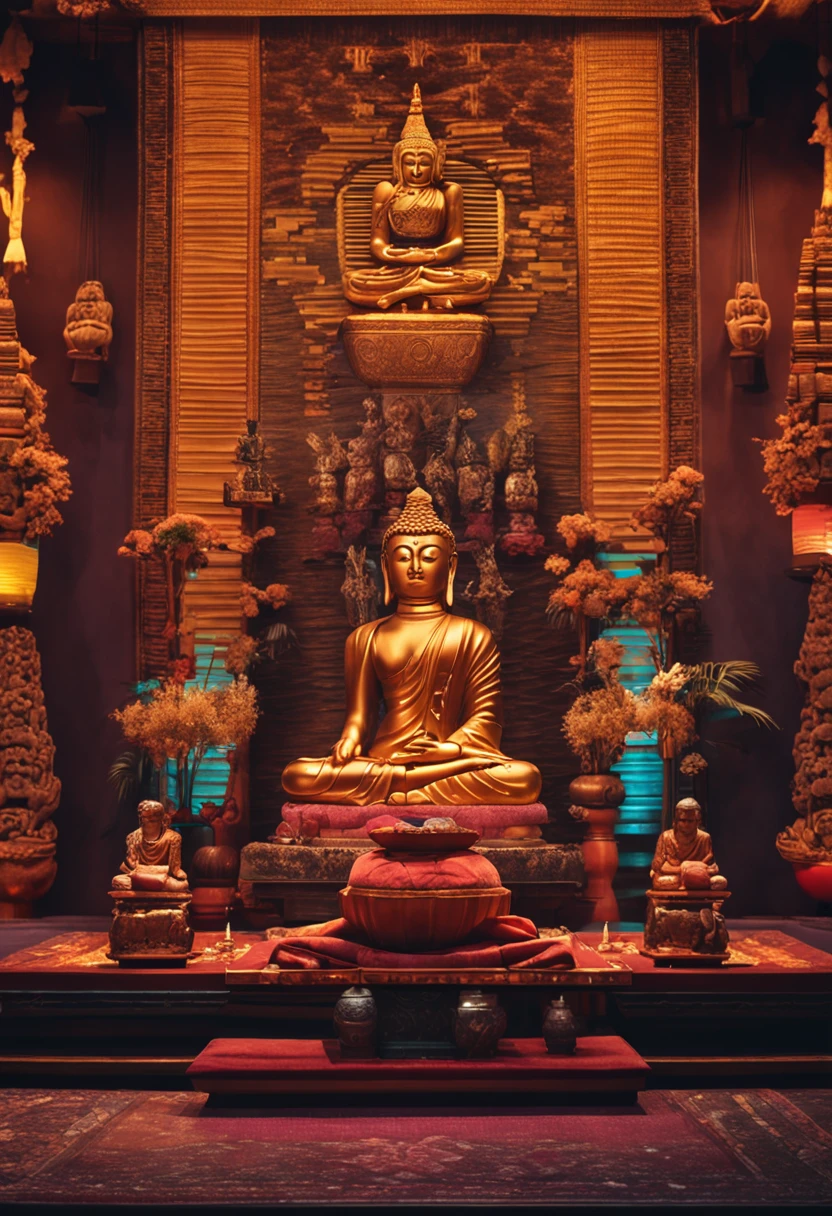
column 503, row 941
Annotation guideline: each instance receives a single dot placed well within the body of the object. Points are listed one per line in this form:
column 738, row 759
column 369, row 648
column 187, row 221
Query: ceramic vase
column 816, row 880
column 599, row 795
column 355, row 1020
column 479, row 1024
column 560, row 1031
column 213, row 879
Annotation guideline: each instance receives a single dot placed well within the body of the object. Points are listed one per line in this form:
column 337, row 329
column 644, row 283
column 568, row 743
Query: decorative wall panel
column 334, row 97
column 618, row 148
column 152, row 433
column 215, row 293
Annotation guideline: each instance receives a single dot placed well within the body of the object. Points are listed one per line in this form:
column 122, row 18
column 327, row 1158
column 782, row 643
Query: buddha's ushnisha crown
column 415, row 133
column 419, row 519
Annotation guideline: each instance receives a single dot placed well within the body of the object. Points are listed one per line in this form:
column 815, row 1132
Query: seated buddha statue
column 684, row 853
column 154, row 854
column 439, row 676
column 417, row 231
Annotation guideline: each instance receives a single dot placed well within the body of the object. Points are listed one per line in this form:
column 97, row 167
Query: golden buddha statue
column 417, row 231
column 439, row 674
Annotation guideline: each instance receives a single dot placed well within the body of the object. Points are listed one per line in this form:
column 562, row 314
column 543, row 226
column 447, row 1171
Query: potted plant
column 596, row 727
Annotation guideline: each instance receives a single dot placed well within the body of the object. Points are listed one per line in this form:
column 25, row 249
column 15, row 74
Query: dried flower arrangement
column 179, row 723
column 598, row 722
column 795, row 461
column 679, row 699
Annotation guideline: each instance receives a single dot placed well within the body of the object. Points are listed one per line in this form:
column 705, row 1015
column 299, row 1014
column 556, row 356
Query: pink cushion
column 489, row 821
column 459, row 871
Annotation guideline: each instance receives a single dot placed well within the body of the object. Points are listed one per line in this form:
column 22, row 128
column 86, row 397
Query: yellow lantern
column 18, row 575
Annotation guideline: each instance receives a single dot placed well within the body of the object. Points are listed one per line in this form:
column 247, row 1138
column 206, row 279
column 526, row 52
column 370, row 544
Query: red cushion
column 460, row 870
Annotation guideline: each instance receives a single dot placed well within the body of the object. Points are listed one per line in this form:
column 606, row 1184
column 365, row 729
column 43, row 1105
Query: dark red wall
column 756, row 611
column 83, row 614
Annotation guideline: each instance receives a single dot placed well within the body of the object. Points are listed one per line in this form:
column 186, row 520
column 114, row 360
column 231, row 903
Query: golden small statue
column 683, row 844
column 154, row 854
column 417, row 231
column 439, row 675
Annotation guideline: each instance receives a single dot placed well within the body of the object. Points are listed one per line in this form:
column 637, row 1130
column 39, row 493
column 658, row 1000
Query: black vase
column 355, row 1024
column 559, row 1029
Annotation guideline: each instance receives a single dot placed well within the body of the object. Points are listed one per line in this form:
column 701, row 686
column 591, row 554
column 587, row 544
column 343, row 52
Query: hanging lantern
column 811, row 533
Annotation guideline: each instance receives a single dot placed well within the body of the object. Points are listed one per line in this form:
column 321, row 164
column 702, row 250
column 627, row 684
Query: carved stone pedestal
column 685, row 928
column 150, row 928
column 419, row 351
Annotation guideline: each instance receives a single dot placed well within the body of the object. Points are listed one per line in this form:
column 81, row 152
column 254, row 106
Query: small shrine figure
column 252, row 485
column 684, row 918
column 684, row 854
column 439, row 472
column 154, row 854
column 475, row 486
column 331, row 459
column 88, row 332
column 747, row 319
column 511, row 451
column 417, row 231
column 490, row 591
column 748, row 322
column 397, row 465
column 13, row 203
column 361, row 595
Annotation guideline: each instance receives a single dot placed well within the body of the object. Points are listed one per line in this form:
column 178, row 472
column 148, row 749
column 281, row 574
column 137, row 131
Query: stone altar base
column 603, row 1065
column 299, row 883
column 685, row 928
column 150, row 929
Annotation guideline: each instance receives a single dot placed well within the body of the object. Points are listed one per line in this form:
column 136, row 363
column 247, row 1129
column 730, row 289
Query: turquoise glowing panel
column 212, row 778
column 640, row 768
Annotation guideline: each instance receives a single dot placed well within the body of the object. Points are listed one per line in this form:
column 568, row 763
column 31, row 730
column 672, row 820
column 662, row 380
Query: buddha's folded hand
column 427, row 751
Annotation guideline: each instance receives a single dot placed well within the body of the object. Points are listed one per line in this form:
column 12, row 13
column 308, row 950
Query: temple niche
column 416, row 747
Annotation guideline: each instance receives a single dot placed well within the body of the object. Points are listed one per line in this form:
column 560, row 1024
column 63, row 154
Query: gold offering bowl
column 413, row 921
column 416, row 349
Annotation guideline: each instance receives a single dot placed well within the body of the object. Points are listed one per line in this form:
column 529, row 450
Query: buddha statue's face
column 151, row 819
column 417, row 166
column 686, row 822
column 419, row 569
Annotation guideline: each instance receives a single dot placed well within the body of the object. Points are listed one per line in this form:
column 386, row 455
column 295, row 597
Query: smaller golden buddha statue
column 417, row 231
column 154, row 854
column 439, row 677
column 684, row 854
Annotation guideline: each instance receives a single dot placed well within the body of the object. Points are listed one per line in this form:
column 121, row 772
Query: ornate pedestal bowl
column 414, row 895
column 416, row 349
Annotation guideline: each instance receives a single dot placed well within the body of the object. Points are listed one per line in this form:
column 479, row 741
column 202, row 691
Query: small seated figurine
column 439, row 675
column 684, row 854
column 154, row 854
column 417, row 230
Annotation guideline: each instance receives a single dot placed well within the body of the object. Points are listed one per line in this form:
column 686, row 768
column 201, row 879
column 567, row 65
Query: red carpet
column 754, row 1147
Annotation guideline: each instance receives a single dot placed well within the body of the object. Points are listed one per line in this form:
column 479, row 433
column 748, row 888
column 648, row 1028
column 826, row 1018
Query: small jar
column 479, row 1023
column 559, row 1029
column 355, row 1020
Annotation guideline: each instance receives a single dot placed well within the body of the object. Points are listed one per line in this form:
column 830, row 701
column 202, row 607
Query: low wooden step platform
column 602, row 1065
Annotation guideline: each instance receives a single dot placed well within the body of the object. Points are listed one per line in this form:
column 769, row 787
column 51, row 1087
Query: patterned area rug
column 753, row 1147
